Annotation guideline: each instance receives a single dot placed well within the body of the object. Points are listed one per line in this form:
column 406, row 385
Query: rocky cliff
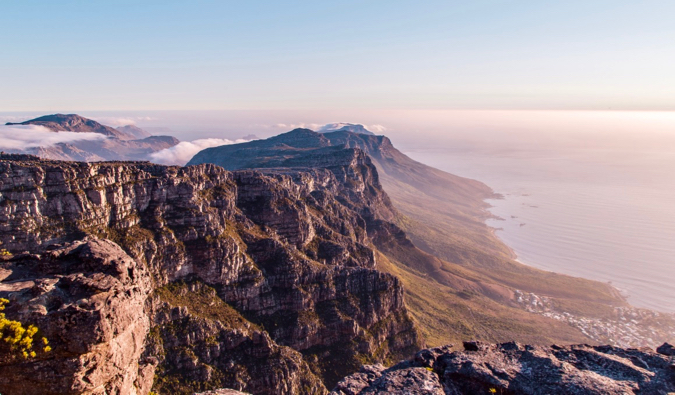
column 197, row 278
column 511, row 368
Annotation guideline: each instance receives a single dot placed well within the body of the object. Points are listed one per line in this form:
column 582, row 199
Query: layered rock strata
column 263, row 282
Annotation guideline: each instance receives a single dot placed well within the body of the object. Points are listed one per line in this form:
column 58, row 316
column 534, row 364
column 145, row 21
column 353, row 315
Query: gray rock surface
column 87, row 298
column 511, row 368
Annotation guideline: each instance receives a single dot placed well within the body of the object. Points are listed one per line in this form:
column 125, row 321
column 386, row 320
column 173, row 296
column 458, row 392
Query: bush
column 17, row 340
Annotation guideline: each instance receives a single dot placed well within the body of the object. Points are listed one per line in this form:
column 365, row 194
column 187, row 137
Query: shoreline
column 616, row 292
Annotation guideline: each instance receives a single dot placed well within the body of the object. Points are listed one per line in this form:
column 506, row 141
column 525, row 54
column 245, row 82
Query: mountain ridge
column 457, row 273
column 124, row 143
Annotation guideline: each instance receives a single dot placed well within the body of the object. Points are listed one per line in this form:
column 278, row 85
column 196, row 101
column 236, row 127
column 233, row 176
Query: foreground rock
column 510, row 368
column 88, row 299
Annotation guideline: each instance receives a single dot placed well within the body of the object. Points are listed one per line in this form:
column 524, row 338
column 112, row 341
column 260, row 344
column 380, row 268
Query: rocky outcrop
column 511, row 368
column 225, row 349
column 87, row 298
column 287, row 254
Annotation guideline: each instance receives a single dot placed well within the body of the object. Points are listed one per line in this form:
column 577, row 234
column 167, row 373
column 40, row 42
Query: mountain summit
column 345, row 127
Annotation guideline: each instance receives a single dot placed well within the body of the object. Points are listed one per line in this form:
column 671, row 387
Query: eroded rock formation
column 264, row 282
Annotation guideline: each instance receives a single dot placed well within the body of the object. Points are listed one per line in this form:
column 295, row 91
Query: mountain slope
column 464, row 284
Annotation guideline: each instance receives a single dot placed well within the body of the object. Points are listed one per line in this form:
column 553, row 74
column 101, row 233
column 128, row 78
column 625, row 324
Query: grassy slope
column 448, row 316
column 462, row 291
column 469, row 243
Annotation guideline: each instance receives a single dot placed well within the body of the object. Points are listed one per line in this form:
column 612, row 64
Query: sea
column 588, row 203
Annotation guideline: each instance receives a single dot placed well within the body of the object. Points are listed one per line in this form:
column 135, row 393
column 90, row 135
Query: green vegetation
column 445, row 316
column 202, row 301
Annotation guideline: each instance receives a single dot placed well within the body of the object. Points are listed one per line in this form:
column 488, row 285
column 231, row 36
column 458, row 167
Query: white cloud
column 285, row 126
column 375, row 128
column 20, row 137
column 181, row 153
column 338, row 125
column 13, row 118
column 121, row 121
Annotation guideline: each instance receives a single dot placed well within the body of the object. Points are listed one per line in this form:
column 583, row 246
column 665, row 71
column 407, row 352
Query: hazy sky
column 315, row 55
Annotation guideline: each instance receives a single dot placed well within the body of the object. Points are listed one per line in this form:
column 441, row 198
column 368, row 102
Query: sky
column 320, row 56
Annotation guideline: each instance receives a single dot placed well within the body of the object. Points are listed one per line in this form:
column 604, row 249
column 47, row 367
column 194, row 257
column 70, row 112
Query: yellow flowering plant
column 19, row 339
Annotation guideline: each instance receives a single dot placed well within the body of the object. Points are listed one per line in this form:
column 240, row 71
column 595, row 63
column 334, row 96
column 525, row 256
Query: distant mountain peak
column 346, row 127
column 124, row 143
column 74, row 123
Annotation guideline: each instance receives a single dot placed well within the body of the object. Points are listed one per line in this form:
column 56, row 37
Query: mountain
column 461, row 281
column 124, row 143
column 198, row 278
column 133, row 130
column 279, row 280
column 345, row 127
column 75, row 123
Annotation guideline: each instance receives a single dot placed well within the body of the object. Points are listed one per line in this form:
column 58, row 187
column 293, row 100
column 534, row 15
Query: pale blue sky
column 309, row 55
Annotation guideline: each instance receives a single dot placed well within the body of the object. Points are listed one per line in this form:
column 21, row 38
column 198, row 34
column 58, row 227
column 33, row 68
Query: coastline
column 617, row 292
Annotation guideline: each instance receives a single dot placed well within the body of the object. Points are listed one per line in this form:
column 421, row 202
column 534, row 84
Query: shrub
column 18, row 340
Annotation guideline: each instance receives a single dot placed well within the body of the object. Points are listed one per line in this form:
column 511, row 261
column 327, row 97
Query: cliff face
column 511, row 368
column 259, row 281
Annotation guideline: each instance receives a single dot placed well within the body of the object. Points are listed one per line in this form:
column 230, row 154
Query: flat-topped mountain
column 124, row 143
column 391, row 162
column 461, row 281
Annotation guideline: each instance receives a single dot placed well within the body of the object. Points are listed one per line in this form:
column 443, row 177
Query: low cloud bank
column 121, row 121
column 181, row 153
column 329, row 127
column 290, row 126
column 21, row 138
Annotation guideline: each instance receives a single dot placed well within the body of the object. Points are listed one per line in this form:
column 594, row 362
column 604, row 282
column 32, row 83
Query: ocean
column 578, row 205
